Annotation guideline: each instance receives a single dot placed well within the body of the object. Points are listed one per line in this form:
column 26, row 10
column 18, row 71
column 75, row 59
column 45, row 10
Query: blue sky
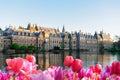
column 84, row 15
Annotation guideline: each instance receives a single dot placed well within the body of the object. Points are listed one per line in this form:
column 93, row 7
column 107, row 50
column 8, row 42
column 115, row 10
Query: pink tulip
column 43, row 76
column 85, row 73
column 46, row 75
column 85, row 78
column 31, row 59
column 55, row 73
column 92, row 68
column 108, row 69
column 22, row 77
column 69, row 74
column 112, row 77
column 89, row 73
column 58, row 73
column 98, row 68
column 68, row 61
column 82, row 73
column 76, row 65
column 95, row 76
column 52, row 67
column 14, row 65
column 118, row 68
column 4, row 76
column 21, row 68
column 104, row 75
column 114, row 67
column 118, row 78
column 26, row 69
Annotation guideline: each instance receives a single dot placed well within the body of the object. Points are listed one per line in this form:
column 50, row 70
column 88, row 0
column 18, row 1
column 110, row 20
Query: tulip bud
column 68, row 61
column 98, row 68
column 31, row 59
column 76, row 65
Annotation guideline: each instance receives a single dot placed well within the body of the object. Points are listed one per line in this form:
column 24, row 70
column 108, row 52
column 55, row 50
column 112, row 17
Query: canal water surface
column 44, row 60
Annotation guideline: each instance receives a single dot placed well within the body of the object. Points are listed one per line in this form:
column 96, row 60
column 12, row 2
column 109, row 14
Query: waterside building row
column 49, row 38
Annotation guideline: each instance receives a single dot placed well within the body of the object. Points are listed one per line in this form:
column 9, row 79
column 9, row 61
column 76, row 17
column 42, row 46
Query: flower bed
column 26, row 69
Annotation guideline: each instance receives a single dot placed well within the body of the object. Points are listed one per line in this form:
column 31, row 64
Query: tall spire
column 63, row 29
column 101, row 34
column 96, row 35
column 28, row 27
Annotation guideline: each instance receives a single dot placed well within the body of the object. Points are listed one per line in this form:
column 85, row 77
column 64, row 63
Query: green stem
column 66, row 67
column 74, row 75
column 115, row 75
column 12, row 77
column 107, row 78
column 96, row 76
column 64, row 78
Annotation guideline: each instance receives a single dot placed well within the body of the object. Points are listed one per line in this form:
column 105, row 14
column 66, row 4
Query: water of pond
column 48, row 58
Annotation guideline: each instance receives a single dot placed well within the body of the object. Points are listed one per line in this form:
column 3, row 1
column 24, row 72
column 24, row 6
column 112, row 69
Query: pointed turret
column 63, row 29
column 36, row 27
column 96, row 35
column 101, row 34
column 28, row 27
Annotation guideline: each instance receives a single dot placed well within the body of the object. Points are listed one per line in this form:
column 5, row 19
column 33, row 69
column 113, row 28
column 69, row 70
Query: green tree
column 14, row 46
column 31, row 47
column 113, row 47
column 117, row 43
column 23, row 47
column 62, row 46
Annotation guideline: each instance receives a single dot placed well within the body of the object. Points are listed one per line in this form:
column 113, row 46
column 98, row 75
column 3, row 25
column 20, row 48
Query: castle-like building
column 49, row 38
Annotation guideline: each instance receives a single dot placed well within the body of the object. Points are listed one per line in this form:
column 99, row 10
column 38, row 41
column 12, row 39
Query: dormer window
column 28, row 34
column 24, row 33
column 20, row 33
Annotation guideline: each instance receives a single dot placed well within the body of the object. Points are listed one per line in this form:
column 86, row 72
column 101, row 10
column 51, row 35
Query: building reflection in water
column 70, row 52
column 48, row 58
column 118, row 56
column 78, row 54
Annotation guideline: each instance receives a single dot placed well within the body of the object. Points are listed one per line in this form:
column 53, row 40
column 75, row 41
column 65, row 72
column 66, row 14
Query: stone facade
column 1, row 43
column 48, row 38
